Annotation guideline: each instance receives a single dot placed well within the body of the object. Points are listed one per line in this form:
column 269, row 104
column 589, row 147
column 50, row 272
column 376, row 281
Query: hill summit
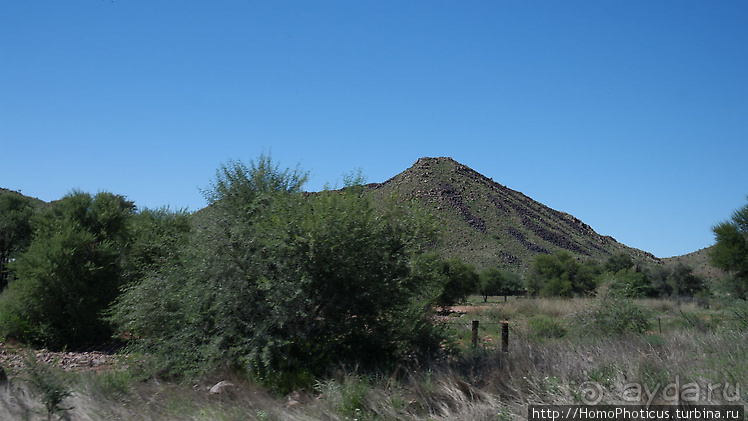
column 488, row 224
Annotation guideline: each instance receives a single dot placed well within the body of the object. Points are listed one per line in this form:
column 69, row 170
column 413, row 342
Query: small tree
column 683, row 282
column 512, row 284
column 461, row 280
column 491, row 283
column 561, row 275
column 730, row 251
column 658, row 276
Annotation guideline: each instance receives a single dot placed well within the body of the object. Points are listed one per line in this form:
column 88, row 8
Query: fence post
column 475, row 333
column 505, row 336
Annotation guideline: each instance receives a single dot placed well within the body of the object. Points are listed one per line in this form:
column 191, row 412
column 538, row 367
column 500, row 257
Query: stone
column 220, row 387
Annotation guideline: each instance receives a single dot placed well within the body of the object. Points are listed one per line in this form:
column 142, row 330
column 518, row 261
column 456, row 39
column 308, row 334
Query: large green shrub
column 15, row 230
column 629, row 283
column 561, row 275
column 156, row 236
column 70, row 273
column 614, row 316
column 286, row 285
column 459, row 280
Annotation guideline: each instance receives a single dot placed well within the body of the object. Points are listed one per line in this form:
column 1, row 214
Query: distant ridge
column 488, row 224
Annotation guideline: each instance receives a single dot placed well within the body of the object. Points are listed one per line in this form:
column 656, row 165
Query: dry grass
column 480, row 384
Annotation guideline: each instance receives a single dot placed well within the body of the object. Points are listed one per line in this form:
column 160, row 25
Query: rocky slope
column 488, row 224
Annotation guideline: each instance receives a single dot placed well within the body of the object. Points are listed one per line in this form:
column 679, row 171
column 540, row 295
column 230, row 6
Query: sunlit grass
column 700, row 347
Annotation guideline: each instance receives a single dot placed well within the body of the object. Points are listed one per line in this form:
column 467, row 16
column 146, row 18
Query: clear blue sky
column 630, row 115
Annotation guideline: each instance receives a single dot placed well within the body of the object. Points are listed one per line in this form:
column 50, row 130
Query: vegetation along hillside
column 699, row 261
column 490, row 225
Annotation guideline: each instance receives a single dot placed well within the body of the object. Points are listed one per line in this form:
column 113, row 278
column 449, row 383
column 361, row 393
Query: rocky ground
column 13, row 359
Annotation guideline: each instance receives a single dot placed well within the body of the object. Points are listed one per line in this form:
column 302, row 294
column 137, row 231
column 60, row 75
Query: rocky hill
column 699, row 261
column 488, row 224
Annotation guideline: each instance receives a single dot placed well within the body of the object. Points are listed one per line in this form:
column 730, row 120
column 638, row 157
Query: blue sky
column 632, row 116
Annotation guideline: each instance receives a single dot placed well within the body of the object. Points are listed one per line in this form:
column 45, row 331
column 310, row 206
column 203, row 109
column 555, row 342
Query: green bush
column 561, row 275
column 49, row 382
column 70, row 273
column 15, row 230
column 614, row 316
column 459, row 281
column 544, row 327
column 285, row 285
column 629, row 283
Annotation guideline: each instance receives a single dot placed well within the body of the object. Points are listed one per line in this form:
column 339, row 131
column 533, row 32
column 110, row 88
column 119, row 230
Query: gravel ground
column 12, row 359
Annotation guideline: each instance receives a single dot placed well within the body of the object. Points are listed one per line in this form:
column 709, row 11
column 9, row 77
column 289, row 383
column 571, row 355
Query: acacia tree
column 284, row 284
column 70, row 273
column 730, row 251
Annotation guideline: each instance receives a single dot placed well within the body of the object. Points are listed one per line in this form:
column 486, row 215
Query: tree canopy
column 15, row 230
column 562, row 275
column 286, row 285
column 70, row 273
column 730, row 251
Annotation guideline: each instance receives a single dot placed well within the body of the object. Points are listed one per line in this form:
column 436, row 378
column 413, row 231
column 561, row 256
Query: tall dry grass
column 479, row 384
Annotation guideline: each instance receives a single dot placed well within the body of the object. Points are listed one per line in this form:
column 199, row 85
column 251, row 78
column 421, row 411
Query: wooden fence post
column 475, row 333
column 505, row 336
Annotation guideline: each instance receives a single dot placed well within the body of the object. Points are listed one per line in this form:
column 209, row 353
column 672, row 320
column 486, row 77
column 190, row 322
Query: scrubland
column 560, row 351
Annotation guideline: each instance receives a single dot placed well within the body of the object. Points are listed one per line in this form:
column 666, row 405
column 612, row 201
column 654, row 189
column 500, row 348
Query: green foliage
column 561, row 275
column 629, row 283
column 286, row 285
column 348, row 395
column 737, row 316
column 545, row 327
column 49, row 383
column 659, row 280
column 156, row 236
column 491, row 283
column 615, row 316
column 730, row 251
column 460, row 280
column 683, row 282
column 15, row 230
column 513, row 284
column 70, row 273
column 618, row 262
